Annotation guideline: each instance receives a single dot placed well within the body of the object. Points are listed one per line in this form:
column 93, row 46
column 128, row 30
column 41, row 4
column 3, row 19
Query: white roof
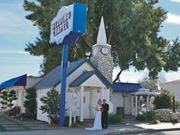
column 144, row 91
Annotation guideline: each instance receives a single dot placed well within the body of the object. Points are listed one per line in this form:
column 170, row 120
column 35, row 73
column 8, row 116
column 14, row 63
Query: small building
column 121, row 97
column 126, row 98
column 91, row 78
column 19, row 84
column 173, row 87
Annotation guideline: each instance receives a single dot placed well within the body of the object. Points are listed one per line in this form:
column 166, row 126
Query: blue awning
column 18, row 81
column 126, row 87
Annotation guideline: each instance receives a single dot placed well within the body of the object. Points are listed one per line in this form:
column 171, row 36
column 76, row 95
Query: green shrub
column 3, row 97
column 174, row 121
column 74, row 124
column 113, row 119
column 147, row 116
column 27, row 115
column 30, row 104
column 155, row 121
column 51, row 105
column 165, row 101
column 11, row 97
column 7, row 99
column 151, row 116
column 66, row 123
column 141, row 117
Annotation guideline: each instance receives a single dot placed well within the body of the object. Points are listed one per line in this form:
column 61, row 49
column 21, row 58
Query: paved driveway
column 11, row 124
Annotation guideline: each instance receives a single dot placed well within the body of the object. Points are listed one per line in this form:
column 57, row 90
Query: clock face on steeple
column 105, row 50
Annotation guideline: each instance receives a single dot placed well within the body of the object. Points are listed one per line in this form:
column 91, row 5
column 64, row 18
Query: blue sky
column 16, row 32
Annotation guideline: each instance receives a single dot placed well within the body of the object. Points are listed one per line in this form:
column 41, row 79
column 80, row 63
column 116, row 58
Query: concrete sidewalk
column 118, row 129
column 143, row 128
column 128, row 126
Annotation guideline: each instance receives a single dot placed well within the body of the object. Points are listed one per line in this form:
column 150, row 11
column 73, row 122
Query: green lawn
column 2, row 128
column 15, row 122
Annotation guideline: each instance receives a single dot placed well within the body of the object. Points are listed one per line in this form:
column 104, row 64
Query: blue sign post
column 68, row 25
column 63, row 85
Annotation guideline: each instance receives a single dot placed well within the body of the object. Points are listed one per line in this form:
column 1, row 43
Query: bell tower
column 101, row 54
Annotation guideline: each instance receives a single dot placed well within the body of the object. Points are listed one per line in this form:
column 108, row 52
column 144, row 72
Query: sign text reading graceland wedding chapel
column 68, row 25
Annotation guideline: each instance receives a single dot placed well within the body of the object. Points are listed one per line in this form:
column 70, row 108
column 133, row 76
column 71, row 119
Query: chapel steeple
column 101, row 38
column 101, row 53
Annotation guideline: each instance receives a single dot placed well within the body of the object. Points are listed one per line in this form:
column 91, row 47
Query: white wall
column 20, row 97
column 95, row 96
column 93, row 81
column 75, row 75
column 41, row 116
column 128, row 104
column 118, row 101
column 93, row 84
column 174, row 88
column 20, row 91
column 31, row 81
column 108, row 97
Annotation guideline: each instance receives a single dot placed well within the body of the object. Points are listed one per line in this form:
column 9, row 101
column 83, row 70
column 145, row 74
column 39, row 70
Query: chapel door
column 86, row 105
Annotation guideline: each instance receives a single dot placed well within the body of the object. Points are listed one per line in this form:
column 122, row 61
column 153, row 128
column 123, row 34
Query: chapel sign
column 68, row 25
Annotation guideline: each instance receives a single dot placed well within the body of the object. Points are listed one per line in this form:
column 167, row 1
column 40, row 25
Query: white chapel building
column 91, row 78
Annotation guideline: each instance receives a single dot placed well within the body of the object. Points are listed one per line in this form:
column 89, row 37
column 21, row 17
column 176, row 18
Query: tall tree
column 151, row 84
column 132, row 28
column 3, row 98
column 166, row 100
column 30, row 103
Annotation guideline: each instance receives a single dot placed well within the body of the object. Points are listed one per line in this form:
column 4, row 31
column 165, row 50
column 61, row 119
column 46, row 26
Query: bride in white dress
column 97, row 121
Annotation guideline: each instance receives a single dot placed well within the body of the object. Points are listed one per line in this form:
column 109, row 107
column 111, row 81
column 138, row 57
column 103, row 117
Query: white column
column 102, row 93
column 132, row 104
column 70, row 109
column 22, row 102
column 147, row 104
column 136, row 106
column 139, row 104
column 81, row 103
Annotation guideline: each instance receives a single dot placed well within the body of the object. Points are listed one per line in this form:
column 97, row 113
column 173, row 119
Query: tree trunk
column 90, row 45
column 118, row 75
column 110, row 35
column 77, row 56
column 82, row 52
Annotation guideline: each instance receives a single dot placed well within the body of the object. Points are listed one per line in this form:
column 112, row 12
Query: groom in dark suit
column 105, row 114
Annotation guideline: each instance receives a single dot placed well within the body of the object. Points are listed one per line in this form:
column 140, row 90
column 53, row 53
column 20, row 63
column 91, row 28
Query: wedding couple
column 101, row 118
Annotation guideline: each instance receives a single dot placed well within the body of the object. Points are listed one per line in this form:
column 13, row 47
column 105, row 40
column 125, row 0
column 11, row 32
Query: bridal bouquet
column 102, row 109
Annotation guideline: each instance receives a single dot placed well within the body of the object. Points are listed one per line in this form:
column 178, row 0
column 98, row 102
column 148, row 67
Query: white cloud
column 21, row 32
column 14, row 52
column 175, row 0
column 171, row 76
column 15, row 22
column 130, row 75
column 173, row 19
column 9, row 19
